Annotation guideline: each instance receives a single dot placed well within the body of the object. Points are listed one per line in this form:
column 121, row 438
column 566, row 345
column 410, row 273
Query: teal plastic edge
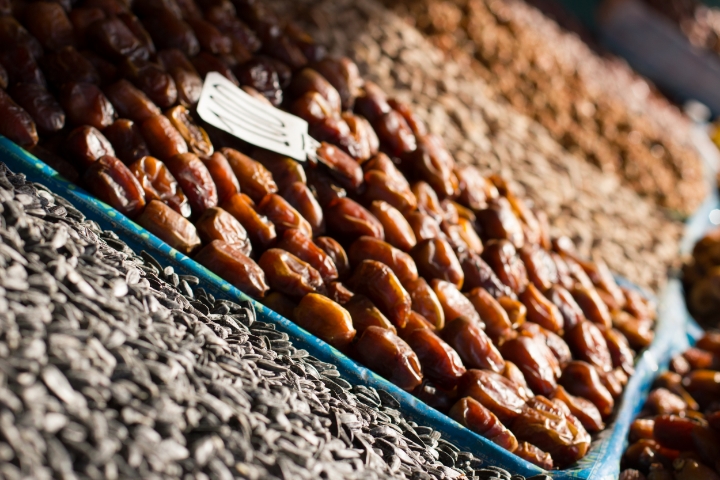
column 601, row 463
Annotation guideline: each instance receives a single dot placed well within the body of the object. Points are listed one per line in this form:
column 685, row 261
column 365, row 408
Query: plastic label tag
column 229, row 108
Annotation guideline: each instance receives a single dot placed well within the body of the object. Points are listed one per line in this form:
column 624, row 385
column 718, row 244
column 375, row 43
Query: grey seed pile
column 112, row 366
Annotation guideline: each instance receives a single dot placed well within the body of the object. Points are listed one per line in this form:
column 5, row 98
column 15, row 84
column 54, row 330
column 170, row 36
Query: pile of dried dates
column 677, row 435
column 701, row 279
column 438, row 278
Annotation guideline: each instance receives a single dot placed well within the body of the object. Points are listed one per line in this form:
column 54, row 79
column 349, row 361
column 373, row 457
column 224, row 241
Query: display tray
column 603, row 459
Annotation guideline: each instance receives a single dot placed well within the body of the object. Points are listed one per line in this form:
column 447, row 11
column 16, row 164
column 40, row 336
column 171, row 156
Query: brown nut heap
column 677, row 433
column 440, row 279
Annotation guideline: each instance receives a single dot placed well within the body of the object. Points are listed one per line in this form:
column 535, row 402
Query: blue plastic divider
column 601, row 463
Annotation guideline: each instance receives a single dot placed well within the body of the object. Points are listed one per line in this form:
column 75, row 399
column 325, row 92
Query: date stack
column 443, row 280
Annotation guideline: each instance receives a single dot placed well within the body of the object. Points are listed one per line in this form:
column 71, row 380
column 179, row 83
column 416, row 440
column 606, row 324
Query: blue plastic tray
column 603, row 460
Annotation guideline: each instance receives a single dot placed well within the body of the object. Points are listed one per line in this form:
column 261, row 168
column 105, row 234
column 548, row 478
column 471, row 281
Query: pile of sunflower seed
column 112, row 366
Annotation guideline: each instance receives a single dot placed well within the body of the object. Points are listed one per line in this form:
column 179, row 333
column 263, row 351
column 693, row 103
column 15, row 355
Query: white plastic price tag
column 230, row 109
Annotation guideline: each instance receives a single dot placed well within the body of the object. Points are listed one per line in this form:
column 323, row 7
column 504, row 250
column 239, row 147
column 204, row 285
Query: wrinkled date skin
column 673, row 431
column 432, row 162
column 230, row 263
column 426, row 303
column 159, row 184
column 534, row 455
column 378, row 282
column 126, row 139
column 379, row 185
column 337, row 292
column 571, row 312
column 336, row 253
column 516, row 311
column 498, row 221
column 540, row 310
column 68, row 65
column 370, row 248
column 535, row 360
column 85, row 145
column 112, row 182
column 503, row 259
column 479, row 274
column 343, row 74
column 301, row 198
column 288, row 274
column 40, row 105
column 301, row 245
column 309, row 80
column 85, row 104
column 326, row 319
column 194, row 135
column 472, row 344
column 131, row 102
column 285, row 170
column 365, row 314
column 639, row 333
column 440, row 363
column 170, row 227
column 424, row 226
column 261, row 230
column 495, row 392
column 587, row 343
column 222, row 174
column 469, row 412
column 513, row 373
column 348, row 219
column 162, row 138
column 475, row 190
column 435, row 259
column 255, row 180
column 454, row 303
column 540, row 267
column 583, row 409
column 581, row 379
column 389, row 355
column 187, row 80
column 496, row 320
column 398, row 231
column 48, row 23
column 217, row 224
column 283, row 215
column 554, row 342
column 195, row 180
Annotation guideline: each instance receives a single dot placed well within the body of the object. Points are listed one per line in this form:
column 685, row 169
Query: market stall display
column 677, row 433
column 595, row 107
column 117, row 367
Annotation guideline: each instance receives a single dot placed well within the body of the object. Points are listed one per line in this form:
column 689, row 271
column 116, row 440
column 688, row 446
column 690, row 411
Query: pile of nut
column 445, row 281
column 677, row 435
column 701, row 279
column 594, row 107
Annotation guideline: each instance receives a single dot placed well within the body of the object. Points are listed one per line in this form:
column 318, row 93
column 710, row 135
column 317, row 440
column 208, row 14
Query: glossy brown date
column 348, row 219
column 217, row 224
column 497, row 322
column 432, row 162
column 283, row 215
column 370, row 248
column 540, row 310
column 571, row 312
column 195, row 180
column 503, row 259
column 673, row 382
column 537, row 362
column 426, row 303
column 472, row 414
column 187, row 80
column 284, row 170
column 68, row 65
column 389, row 355
column 469, row 235
column 336, row 253
column 112, row 39
column 454, row 303
column 277, row 302
column 343, row 74
column 587, row 343
column 662, row 401
column 581, row 379
column 378, row 282
column 301, row 245
column 255, row 180
column 260, row 75
column 592, row 306
column 475, row 190
column 365, row 314
column 513, row 373
column 703, row 385
column 398, row 232
column 620, row 351
column 395, row 134
column 288, row 274
column 222, row 174
column 112, row 182
column 428, row 201
column 534, row 455
column 380, row 186
column 498, row 221
column 168, row 31
column 495, row 392
column 49, row 24
column 85, row 145
column 300, row 197
column 21, row 66
column 440, row 363
column 583, row 409
column 81, row 19
column 478, row 274
column 472, row 344
column 435, row 259
column 326, row 319
column 14, row 34
column 342, row 166
column 424, row 226
column 309, row 80
column 639, row 333
column 131, row 102
column 85, row 104
column 152, row 79
column 230, row 263
column 209, row 37
column 554, row 342
column 673, row 431
column 194, row 135
column 261, row 230
column 540, row 266
column 162, row 138
column 159, row 184
column 126, row 139
column 170, row 227
column 205, row 62
column 516, row 311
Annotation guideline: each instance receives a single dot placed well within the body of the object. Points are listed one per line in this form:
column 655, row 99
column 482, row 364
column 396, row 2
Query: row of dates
column 441, row 279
